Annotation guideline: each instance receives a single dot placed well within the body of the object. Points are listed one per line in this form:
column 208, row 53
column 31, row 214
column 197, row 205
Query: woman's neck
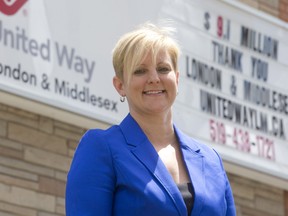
column 158, row 128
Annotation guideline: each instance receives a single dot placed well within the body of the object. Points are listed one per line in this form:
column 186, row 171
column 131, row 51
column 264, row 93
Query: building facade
column 38, row 140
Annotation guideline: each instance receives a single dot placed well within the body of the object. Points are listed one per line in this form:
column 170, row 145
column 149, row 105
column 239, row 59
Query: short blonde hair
column 133, row 46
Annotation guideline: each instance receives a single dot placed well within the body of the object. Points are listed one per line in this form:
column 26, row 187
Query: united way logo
column 10, row 7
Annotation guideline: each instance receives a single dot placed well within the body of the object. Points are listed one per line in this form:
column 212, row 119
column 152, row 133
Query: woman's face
column 152, row 86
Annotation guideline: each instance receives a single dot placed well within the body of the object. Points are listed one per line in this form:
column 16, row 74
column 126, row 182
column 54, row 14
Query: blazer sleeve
column 91, row 180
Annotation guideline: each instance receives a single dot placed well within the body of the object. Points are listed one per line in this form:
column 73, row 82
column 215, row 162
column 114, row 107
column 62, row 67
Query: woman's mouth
column 153, row 92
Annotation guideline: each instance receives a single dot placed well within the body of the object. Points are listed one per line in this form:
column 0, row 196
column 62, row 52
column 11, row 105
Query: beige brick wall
column 35, row 155
column 256, row 199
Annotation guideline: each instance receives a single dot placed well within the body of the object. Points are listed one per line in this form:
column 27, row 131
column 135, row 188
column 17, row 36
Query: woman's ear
column 119, row 85
column 177, row 77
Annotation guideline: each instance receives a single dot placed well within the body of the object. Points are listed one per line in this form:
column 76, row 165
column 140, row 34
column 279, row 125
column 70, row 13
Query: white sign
column 234, row 68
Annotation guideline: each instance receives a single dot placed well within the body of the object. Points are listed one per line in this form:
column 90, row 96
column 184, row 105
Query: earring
column 122, row 98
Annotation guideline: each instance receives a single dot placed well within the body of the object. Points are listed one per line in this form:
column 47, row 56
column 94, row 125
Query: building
column 55, row 65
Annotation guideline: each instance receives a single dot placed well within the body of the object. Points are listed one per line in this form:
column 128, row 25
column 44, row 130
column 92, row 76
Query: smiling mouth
column 153, row 92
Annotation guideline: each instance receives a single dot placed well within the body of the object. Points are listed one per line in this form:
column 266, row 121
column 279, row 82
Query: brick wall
column 256, row 199
column 276, row 8
column 283, row 10
column 35, row 154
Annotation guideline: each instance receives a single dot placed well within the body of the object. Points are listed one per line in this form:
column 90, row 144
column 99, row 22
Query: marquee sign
column 234, row 90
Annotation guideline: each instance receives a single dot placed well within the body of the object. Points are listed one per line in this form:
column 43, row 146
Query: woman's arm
column 91, row 180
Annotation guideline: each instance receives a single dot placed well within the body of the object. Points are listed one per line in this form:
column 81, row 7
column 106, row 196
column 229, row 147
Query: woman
column 146, row 165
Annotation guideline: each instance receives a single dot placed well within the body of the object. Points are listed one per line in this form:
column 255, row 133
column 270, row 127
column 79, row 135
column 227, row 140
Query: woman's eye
column 163, row 69
column 139, row 71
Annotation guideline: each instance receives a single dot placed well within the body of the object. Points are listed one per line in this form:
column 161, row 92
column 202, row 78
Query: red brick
column 283, row 7
column 284, row 17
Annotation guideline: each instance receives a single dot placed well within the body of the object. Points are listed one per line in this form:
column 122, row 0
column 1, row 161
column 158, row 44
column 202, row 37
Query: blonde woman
column 146, row 165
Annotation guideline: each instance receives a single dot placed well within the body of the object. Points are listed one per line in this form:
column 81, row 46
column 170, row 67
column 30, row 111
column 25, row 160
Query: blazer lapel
column 145, row 152
column 195, row 164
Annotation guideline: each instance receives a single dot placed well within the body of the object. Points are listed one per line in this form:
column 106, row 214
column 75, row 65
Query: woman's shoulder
column 97, row 136
column 101, row 133
column 96, row 142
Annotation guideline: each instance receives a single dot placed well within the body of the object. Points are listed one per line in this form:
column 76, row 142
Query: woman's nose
column 153, row 77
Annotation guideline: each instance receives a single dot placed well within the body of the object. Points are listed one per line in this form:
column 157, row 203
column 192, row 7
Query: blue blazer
column 118, row 172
